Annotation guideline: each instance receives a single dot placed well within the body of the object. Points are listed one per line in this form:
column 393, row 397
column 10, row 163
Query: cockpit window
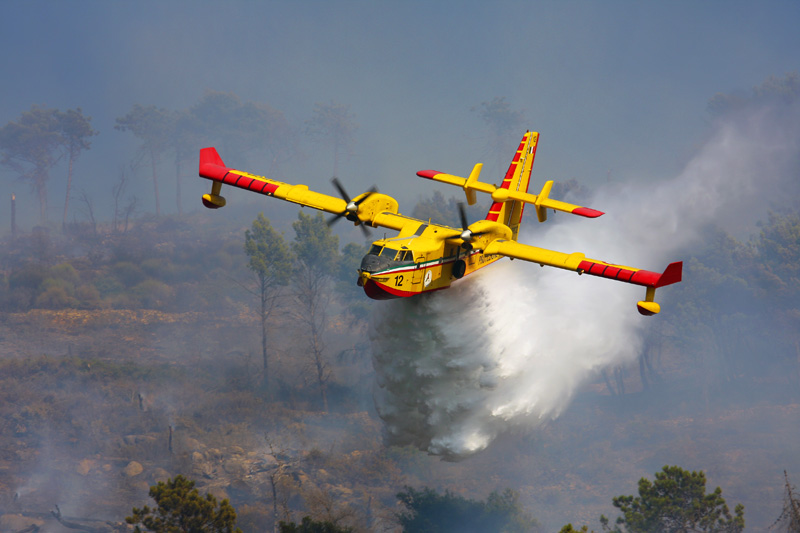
column 389, row 253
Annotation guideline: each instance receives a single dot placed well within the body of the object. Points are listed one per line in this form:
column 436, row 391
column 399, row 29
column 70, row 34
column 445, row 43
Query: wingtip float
column 426, row 256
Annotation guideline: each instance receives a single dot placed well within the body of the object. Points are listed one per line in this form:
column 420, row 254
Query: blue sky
column 612, row 86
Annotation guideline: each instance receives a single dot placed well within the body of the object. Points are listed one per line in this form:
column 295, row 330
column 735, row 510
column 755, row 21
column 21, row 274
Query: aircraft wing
column 579, row 263
column 372, row 208
column 212, row 168
column 541, row 201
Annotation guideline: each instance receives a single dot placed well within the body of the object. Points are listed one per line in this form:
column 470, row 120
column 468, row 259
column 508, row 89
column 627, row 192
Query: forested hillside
column 132, row 357
column 236, row 350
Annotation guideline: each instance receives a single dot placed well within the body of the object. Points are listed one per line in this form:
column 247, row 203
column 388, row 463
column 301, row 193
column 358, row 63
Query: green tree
column 30, row 147
column 75, row 130
column 430, row 512
column 312, row 526
column 316, row 249
column 676, row 502
column 333, row 124
column 181, row 509
column 271, row 260
column 154, row 127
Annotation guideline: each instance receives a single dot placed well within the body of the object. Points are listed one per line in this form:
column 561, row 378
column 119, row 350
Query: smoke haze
column 609, row 86
column 619, row 92
column 507, row 348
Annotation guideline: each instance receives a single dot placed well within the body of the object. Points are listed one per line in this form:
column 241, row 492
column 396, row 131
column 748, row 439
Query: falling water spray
column 508, row 347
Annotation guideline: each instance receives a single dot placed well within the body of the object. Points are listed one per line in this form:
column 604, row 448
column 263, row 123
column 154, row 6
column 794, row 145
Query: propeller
column 351, row 210
column 466, row 234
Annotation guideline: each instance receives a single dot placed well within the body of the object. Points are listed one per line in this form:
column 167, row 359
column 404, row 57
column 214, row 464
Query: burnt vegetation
column 148, row 347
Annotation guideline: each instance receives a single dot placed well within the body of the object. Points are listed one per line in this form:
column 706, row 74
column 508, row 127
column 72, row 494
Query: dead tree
column 789, row 520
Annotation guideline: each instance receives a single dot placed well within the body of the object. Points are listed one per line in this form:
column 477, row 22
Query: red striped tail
column 516, row 179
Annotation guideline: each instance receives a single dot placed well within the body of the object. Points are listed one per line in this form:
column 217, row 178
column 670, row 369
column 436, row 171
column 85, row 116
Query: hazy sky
column 619, row 86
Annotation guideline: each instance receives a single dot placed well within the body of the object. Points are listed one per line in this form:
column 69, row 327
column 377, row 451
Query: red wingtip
column 672, row 274
column 211, row 165
column 428, row 173
column 587, row 212
column 210, row 155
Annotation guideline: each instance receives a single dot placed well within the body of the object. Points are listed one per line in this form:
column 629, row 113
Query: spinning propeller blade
column 351, row 210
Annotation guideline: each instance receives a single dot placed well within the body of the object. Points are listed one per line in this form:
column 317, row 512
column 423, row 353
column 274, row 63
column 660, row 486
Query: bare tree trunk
column 41, row 193
column 13, row 215
column 87, row 202
column 155, row 182
column 312, row 298
column 178, row 184
column 642, row 371
column 320, row 366
column 264, row 314
column 273, row 482
column 609, row 386
column 619, row 377
column 69, row 184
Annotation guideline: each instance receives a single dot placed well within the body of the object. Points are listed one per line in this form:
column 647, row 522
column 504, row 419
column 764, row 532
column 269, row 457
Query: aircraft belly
column 411, row 280
column 376, row 291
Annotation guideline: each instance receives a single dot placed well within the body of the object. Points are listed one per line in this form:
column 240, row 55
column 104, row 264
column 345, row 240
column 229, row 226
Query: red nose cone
column 374, row 291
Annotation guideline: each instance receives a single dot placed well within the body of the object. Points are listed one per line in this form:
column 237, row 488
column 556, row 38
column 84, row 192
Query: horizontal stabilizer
column 542, row 201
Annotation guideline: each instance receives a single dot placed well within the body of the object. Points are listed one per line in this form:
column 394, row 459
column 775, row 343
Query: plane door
column 416, row 277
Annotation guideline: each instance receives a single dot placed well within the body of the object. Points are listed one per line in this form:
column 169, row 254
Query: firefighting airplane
column 427, row 257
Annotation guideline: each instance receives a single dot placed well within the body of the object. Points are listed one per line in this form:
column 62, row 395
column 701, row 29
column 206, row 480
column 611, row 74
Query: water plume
column 507, row 347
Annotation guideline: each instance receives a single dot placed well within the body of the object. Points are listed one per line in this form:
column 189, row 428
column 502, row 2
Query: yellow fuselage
column 428, row 260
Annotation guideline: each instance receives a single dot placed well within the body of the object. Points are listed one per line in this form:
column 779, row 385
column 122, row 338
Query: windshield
column 391, row 253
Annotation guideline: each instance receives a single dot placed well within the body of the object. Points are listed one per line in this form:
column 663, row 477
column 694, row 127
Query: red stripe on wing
column 637, row 277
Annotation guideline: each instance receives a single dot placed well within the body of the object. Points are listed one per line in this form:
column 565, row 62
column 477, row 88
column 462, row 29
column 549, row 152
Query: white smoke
column 508, row 347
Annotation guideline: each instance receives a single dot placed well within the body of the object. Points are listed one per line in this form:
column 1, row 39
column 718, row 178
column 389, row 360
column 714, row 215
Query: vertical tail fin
column 516, row 179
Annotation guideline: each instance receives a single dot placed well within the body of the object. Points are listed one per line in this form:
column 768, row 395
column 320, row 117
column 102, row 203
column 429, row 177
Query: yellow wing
column 519, row 173
column 579, row 263
column 369, row 208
